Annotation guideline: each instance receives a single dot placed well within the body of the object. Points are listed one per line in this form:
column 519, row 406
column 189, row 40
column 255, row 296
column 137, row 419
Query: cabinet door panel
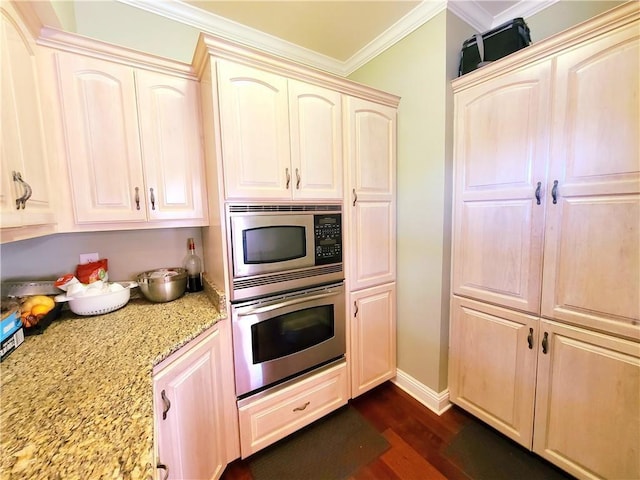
column 170, row 138
column 316, row 141
column 23, row 145
column 190, row 437
column 492, row 367
column 255, row 132
column 588, row 376
column 101, row 123
column 501, row 151
column 592, row 238
column 373, row 337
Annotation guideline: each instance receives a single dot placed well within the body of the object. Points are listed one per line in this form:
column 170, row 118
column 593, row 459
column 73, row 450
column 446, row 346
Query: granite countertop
column 77, row 401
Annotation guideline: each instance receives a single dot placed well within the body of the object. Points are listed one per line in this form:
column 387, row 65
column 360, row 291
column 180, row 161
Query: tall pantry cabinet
column 545, row 320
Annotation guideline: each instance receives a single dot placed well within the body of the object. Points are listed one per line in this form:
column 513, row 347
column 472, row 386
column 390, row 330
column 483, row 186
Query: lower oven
column 281, row 336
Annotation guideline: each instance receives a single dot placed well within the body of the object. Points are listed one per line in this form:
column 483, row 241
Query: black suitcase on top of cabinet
column 493, row 45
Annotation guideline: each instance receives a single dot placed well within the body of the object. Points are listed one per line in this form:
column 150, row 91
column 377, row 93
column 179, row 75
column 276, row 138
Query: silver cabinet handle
column 152, row 197
column 297, row 179
column 299, row 409
column 286, row 172
column 165, row 468
column 137, row 198
column 167, row 404
column 355, row 197
column 22, row 201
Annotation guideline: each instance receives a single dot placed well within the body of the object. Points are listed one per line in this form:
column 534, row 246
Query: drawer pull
column 297, row 179
column 166, row 470
column 137, row 198
column 530, row 339
column 299, row 409
column 152, row 197
column 538, row 192
column 288, row 177
column 167, row 404
column 545, row 343
column 554, row 192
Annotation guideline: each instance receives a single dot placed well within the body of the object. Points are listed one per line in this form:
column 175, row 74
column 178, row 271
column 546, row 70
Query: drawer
column 275, row 415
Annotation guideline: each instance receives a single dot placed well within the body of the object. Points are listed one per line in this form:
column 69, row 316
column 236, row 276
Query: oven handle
column 246, row 311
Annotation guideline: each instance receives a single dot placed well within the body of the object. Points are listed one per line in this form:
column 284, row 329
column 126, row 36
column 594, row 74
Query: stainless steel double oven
column 287, row 299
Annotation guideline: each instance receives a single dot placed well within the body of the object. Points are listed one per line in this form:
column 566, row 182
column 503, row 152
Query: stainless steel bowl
column 163, row 284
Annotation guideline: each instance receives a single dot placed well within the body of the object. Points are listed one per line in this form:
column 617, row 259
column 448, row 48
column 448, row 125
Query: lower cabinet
column 268, row 418
column 373, row 337
column 188, row 408
column 583, row 386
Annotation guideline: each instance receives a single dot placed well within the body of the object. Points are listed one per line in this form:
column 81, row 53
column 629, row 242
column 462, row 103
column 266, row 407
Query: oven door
column 271, row 243
column 279, row 337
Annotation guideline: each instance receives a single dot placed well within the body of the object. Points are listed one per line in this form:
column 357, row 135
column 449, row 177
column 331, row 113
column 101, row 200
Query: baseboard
column 434, row 401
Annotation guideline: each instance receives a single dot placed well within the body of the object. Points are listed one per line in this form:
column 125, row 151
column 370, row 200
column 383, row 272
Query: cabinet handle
column 286, row 171
column 530, row 338
column 299, row 409
column 297, row 179
column 538, row 193
column 137, row 198
column 355, row 197
column 355, row 309
column 166, row 470
column 152, row 198
column 167, row 404
column 545, row 343
column 554, row 191
column 21, row 202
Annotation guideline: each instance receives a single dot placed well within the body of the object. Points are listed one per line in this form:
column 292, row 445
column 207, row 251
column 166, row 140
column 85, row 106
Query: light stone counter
column 77, row 401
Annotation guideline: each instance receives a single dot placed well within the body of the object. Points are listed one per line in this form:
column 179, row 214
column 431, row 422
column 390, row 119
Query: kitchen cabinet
column 189, row 412
column 133, row 143
column 26, row 187
column 272, row 416
column 546, row 246
column 281, row 138
column 373, row 337
column 370, row 232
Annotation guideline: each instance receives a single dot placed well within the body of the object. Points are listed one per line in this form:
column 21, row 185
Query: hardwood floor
column 418, row 439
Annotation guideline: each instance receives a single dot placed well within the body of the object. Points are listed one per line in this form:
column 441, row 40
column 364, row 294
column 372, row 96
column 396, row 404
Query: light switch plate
column 88, row 258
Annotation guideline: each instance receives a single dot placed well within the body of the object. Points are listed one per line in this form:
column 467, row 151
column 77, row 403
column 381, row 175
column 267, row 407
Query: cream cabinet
column 281, row 138
column 188, row 406
column 546, row 246
column 133, row 143
column 370, row 233
column 373, row 337
column 26, row 188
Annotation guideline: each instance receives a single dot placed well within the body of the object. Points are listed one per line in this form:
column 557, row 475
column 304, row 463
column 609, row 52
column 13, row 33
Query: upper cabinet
column 547, row 191
column 133, row 143
column 26, row 187
column 281, row 138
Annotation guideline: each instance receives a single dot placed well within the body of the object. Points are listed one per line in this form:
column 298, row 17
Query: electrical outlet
column 88, row 258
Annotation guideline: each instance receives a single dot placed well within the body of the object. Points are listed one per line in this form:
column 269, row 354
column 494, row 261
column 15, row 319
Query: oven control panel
column 328, row 238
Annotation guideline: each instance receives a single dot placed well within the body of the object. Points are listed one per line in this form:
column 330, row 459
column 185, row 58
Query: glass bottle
column 193, row 265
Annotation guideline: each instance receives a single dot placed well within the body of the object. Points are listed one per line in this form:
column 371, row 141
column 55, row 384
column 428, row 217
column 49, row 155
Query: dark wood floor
column 418, row 438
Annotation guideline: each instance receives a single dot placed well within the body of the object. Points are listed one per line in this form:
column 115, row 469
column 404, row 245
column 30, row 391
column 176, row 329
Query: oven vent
column 287, row 277
column 284, row 208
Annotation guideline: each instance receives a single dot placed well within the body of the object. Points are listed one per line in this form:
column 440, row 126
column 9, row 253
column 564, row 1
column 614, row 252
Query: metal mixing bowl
column 163, row 284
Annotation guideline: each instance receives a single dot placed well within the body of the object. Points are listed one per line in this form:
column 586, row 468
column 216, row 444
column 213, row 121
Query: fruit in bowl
column 34, row 308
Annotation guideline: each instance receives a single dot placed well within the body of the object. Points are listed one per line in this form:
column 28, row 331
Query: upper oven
column 277, row 248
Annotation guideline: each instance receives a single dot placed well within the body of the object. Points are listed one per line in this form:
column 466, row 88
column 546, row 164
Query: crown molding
column 403, row 27
column 476, row 16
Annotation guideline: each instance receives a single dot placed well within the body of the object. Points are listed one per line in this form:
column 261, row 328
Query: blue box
column 9, row 325
column 10, row 344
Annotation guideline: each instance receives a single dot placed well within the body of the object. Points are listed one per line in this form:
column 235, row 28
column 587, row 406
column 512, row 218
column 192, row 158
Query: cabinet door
column 23, row 149
column 188, row 412
column 173, row 163
column 254, row 123
column 492, row 365
column 373, row 337
column 592, row 238
column 500, row 151
column 588, row 402
column 103, row 148
column 316, row 142
column 371, row 223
